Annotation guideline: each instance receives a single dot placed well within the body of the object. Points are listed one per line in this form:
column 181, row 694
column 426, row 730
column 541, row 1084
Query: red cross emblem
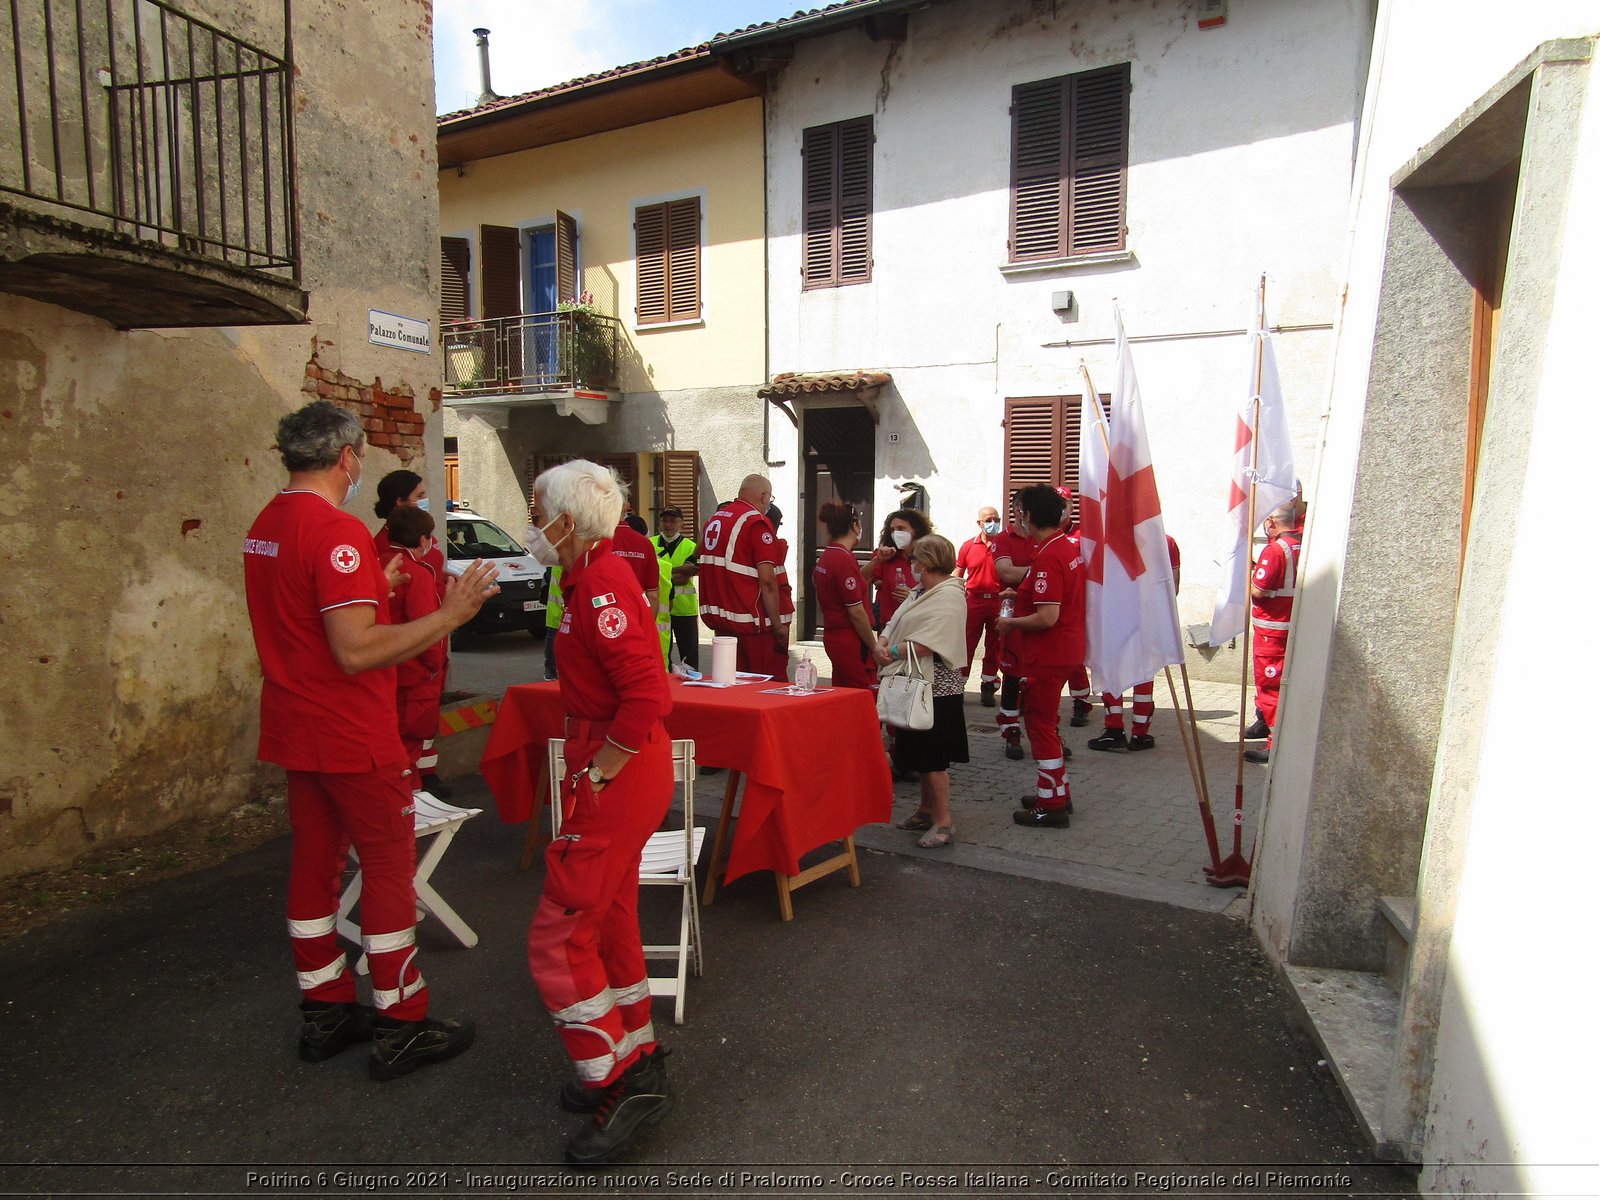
column 345, row 559
column 612, row 622
column 1132, row 501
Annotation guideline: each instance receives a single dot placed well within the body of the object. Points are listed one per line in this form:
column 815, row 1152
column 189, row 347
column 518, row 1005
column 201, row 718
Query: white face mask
column 901, row 538
column 991, row 527
column 423, row 504
column 541, row 547
column 916, row 572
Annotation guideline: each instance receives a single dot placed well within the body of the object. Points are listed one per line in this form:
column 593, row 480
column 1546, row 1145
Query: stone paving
column 1136, row 827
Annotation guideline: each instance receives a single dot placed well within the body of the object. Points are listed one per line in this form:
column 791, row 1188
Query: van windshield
column 477, row 538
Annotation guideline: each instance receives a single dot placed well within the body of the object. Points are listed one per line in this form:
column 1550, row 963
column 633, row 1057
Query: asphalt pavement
column 942, row 1030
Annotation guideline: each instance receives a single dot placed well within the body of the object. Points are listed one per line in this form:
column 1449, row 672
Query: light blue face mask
column 991, row 527
column 423, row 504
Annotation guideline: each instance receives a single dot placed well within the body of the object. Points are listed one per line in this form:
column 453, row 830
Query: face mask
column 916, row 573
column 350, row 492
column 542, row 548
column 991, row 527
column 901, row 538
column 423, row 504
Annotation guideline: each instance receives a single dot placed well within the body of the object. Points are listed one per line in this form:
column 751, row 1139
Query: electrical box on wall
column 1213, row 13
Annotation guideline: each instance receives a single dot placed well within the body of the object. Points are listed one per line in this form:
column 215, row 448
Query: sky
column 536, row 43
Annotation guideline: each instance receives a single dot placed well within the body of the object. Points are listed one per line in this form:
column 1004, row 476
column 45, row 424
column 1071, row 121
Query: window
column 678, row 472
column 836, row 175
column 1069, row 165
column 666, row 240
column 507, row 286
column 455, row 278
column 1042, row 437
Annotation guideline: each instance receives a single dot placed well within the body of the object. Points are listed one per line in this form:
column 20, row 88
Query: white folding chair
column 438, row 820
column 668, row 860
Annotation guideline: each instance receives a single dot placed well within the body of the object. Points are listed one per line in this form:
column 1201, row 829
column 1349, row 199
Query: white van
column 523, row 582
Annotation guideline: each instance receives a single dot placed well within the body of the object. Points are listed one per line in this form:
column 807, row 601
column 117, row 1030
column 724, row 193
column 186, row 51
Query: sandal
column 916, row 822
column 937, row 838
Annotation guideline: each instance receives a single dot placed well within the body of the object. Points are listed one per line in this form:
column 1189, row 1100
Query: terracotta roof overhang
column 826, row 389
column 881, row 19
column 631, row 95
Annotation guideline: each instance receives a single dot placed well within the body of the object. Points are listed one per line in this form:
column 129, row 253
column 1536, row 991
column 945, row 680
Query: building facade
column 218, row 274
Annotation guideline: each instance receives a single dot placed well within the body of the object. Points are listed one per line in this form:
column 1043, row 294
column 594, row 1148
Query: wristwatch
column 596, row 776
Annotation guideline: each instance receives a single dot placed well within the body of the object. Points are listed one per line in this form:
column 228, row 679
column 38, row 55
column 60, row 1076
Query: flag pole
column 1235, row 868
column 1191, row 752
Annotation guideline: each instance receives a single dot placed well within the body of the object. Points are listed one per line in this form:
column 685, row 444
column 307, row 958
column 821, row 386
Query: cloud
column 532, row 44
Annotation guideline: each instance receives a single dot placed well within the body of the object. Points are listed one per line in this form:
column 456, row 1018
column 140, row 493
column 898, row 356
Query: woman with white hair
column 583, row 946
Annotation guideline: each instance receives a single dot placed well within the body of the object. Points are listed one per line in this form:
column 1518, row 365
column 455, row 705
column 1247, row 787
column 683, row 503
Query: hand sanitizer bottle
column 805, row 674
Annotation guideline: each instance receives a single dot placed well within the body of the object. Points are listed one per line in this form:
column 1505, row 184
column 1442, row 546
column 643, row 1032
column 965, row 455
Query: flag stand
column 1235, row 869
column 1216, row 873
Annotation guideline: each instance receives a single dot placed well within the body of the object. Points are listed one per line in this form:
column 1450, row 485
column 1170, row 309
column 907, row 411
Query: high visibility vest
column 685, row 596
column 553, row 606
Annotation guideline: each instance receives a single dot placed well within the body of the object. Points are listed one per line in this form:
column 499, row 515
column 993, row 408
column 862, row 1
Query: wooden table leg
column 536, row 838
column 855, row 866
column 785, row 903
column 720, row 842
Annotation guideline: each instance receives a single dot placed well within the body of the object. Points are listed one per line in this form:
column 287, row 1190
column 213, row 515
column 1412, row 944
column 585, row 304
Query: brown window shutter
column 680, row 486
column 455, row 274
column 855, row 201
column 1038, row 121
column 1033, row 441
column 566, row 258
column 820, row 247
column 683, row 259
column 1074, row 427
column 650, row 255
column 1098, row 160
column 501, row 270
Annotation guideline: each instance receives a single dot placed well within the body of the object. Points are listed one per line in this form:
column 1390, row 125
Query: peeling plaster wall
column 137, row 460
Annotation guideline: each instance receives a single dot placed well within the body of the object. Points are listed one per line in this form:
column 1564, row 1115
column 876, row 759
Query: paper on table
column 794, row 691
column 748, row 676
column 705, row 683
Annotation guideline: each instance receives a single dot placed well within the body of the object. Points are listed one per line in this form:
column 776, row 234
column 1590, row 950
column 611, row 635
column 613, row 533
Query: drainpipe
column 766, row 304
column 488, row 92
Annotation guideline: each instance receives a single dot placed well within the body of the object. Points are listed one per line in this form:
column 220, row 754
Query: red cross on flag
column 1261, row 452
column 1132, row 612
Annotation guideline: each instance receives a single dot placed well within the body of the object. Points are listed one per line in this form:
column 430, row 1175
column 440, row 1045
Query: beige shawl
column 936, row 619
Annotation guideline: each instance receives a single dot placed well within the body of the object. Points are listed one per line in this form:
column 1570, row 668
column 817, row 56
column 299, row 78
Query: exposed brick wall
column 388, row 415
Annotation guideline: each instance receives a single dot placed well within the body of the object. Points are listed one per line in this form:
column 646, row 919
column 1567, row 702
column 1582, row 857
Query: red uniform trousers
column 982, row 610
column 419, row 721
column 1268, row 650
column 584, row 949
column 373, row 810
column 1078, row 683
column 1144, row 707
column 1041, row 717
column 759, row 656
column 844, row 652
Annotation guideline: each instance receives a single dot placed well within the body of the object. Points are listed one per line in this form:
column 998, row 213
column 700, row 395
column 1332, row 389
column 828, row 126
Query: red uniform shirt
column 1056, row 576
column 416, row 600
column 976, row 561
column 733, row 544
column 608, row 648
column 304, row 557
column 893, row 574
column 636, row 550
column 785, row 592
column 1014, row 546
column 434, row 557
column 838, row 583
column 1276, row 571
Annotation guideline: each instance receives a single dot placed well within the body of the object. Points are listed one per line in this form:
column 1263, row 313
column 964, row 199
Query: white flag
column 1132, row 611
column 1261, row 452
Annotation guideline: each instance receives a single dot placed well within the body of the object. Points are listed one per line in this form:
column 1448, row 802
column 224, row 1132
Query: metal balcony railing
column 133, row 117
column 530, row 352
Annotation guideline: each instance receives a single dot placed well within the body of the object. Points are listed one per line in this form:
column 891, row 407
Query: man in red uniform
column 975, row 564
column 739, row 580
column 584, row 950
column 841, row 598
column 1013, row 554
column 1272, row 588
column 1050, row 617
column 636, row 550
column 1144, row 699
column 421, row 679
column 319, row 609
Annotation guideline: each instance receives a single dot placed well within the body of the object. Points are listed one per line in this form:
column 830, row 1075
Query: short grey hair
column 1289, row 514
column 313, row 437
column 589, row 492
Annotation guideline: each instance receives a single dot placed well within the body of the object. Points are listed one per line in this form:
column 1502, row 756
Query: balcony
column 147, row 166
column 568, row 358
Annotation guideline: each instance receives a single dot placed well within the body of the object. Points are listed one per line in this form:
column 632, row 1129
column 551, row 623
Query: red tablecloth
column 814, row 766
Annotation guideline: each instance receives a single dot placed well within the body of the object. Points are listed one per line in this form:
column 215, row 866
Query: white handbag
column 906, row 700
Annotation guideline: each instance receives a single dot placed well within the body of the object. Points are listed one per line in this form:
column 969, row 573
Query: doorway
column 841, row 457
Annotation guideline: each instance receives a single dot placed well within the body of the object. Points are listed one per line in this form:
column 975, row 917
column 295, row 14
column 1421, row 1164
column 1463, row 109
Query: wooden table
column 813, row 770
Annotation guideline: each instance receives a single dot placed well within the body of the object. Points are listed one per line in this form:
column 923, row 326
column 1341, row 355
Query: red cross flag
column 1261, row 453
column 1132, row 612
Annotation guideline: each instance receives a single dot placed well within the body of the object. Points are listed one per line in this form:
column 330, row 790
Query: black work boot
column 986, row 694
column 1256, row 756
column 580, row 1097
column 1041, row 818
column 1256, row 730
column 1013, row 745
column 640, row 1096
column 437, row 787
column 1080, row 713
column 1141, row 741
column 1031, row 800
column 1109, row 739
column 398, row 1048
column 326, row 1029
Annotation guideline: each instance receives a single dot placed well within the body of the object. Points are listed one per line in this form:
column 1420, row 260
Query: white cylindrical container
column 724, row 659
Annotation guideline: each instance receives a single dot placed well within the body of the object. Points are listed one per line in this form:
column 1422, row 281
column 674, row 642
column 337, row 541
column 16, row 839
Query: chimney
column 488, row 92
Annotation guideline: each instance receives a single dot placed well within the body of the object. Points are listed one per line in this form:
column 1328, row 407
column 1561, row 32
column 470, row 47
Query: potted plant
column 586, row 343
